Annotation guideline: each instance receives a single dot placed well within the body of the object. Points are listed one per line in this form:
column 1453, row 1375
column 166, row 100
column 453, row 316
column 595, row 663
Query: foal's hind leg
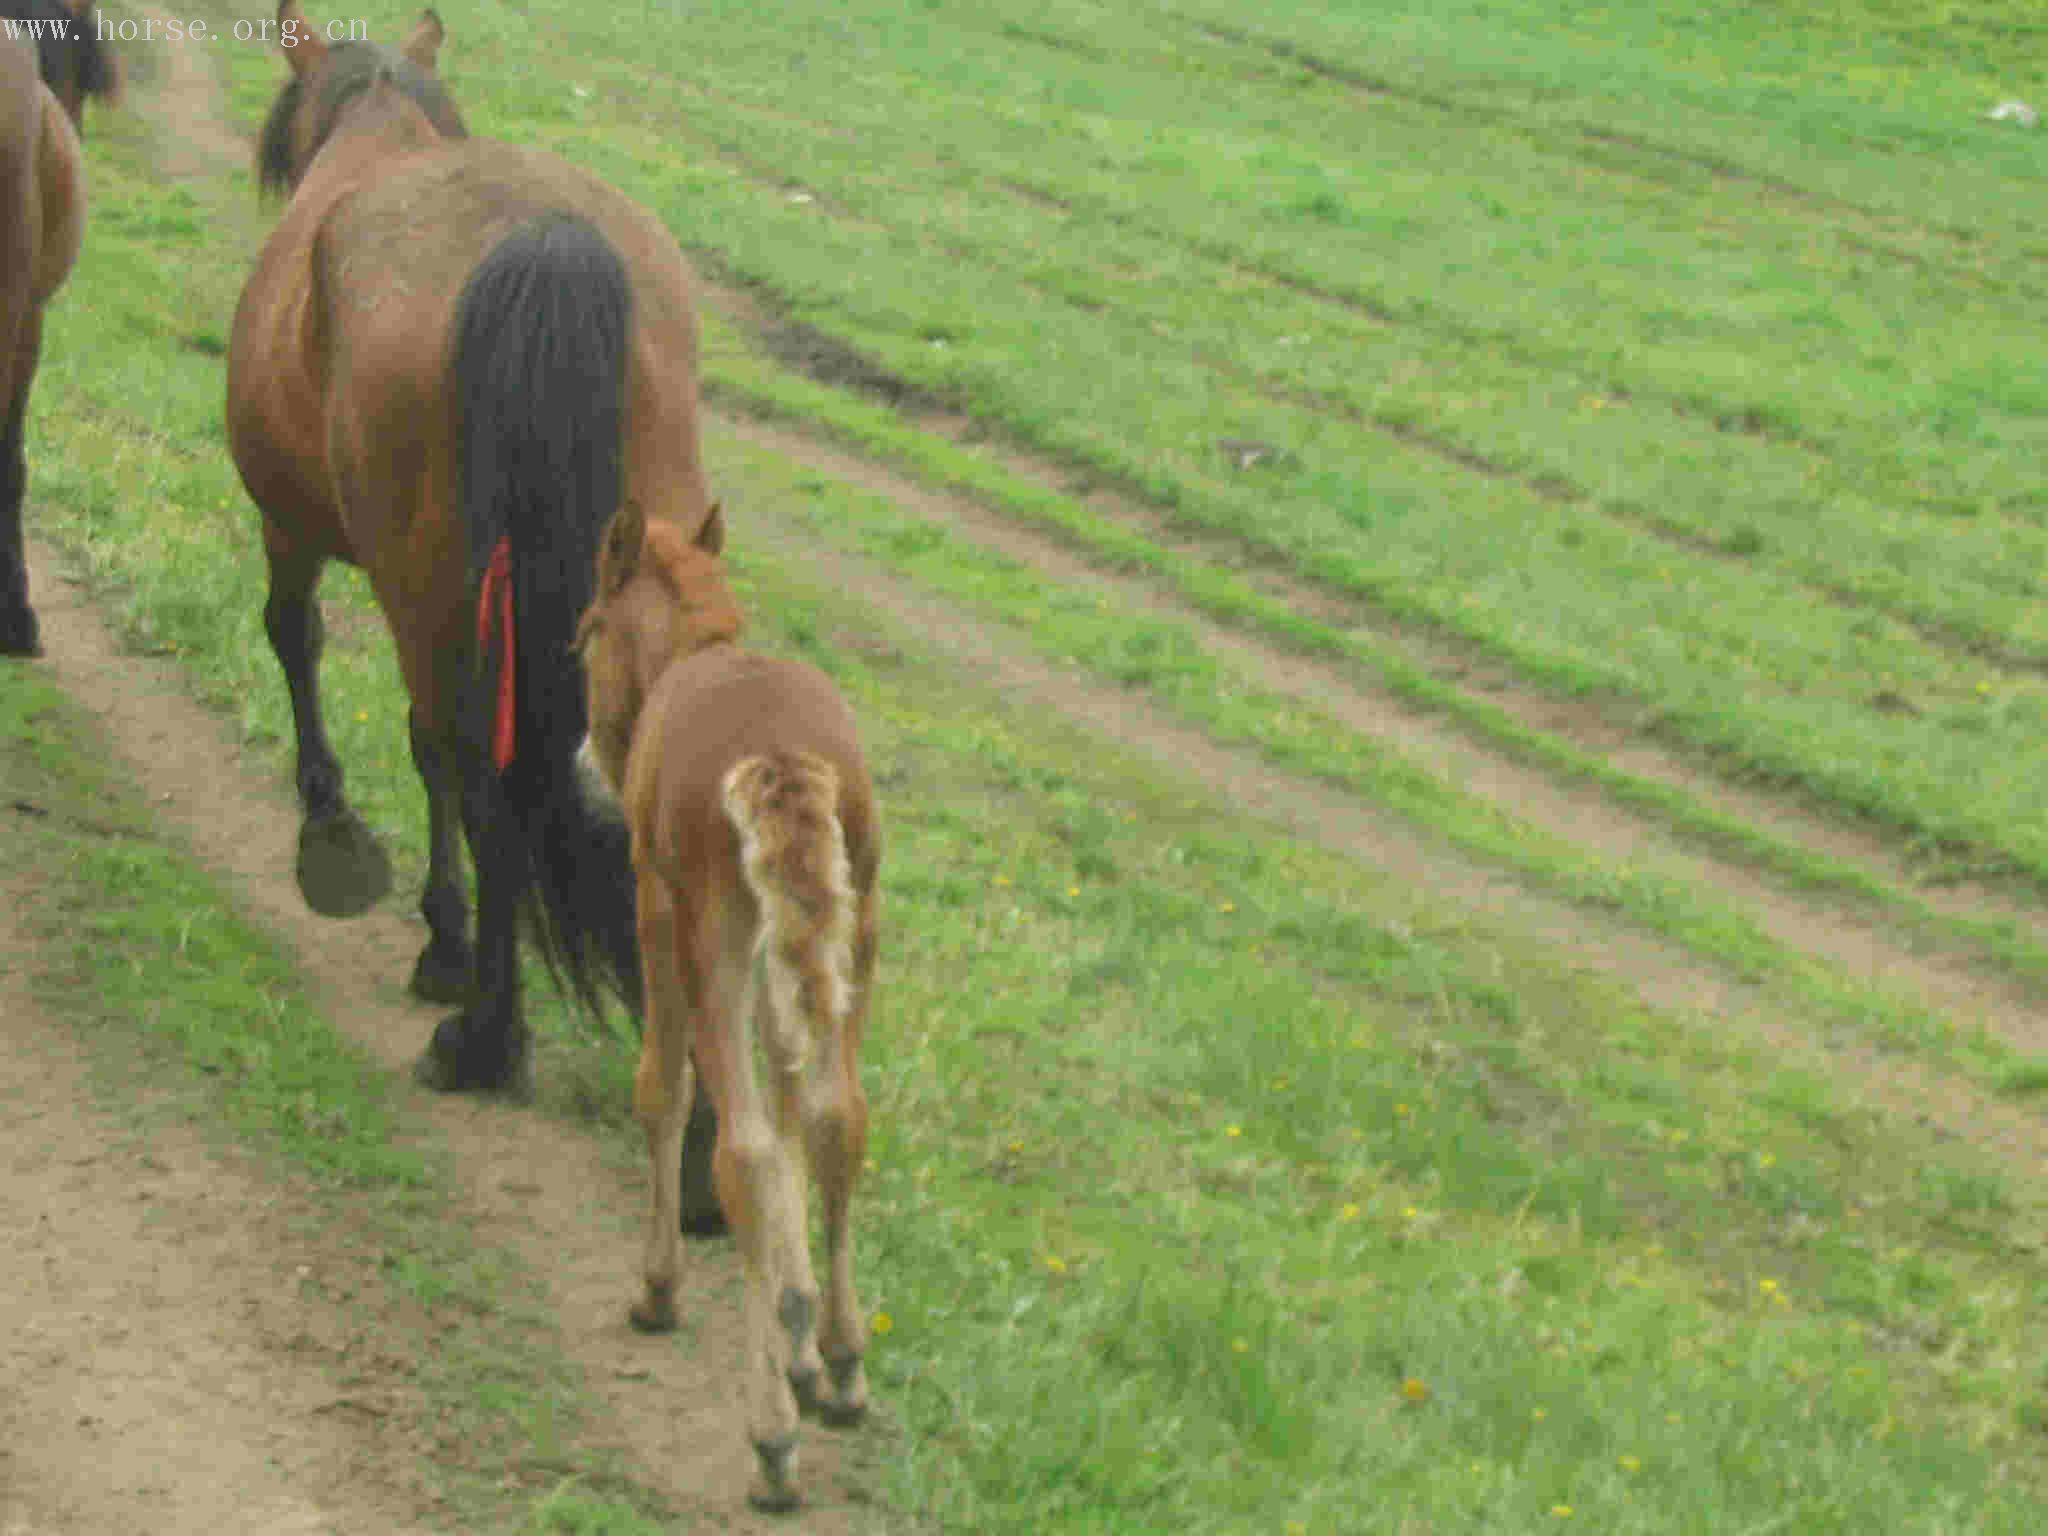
column 442, row 974
column 836, row 1137
column 341, row 869
column 755, row 1188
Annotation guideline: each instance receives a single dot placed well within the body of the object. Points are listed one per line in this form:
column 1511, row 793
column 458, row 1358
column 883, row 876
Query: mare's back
column 446, row 207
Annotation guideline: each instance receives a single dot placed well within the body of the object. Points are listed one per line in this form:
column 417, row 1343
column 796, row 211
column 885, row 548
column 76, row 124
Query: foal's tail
column 785, row 807
column 541, row 332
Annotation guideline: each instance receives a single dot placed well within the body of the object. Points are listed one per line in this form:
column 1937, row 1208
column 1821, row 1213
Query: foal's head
column 331, row 81
column 660, row 596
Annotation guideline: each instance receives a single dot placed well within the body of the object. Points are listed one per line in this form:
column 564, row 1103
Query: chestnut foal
column 755, row 849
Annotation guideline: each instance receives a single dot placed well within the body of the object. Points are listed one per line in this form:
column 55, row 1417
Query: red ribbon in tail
column 494, row 602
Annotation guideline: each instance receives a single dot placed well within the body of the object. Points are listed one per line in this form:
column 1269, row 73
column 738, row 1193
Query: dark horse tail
column 540, row 376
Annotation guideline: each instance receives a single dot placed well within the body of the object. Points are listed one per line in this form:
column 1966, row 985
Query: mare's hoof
column 19, row 635
column 774, row 1491
column 450, row 1065
column 342, row 869
column 442, row 975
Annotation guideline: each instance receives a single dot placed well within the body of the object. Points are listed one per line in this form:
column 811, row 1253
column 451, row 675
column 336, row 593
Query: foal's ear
column 619, row 556
column 711, row 537
column 425, row 43
column 304, row 48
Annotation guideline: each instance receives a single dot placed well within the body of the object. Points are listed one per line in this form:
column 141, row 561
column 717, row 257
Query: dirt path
column 161, row 1370
column 540, row 1190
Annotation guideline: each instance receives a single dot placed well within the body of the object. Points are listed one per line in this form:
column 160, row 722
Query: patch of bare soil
column 160, row 1368
column 183, row 96
column 535, row 1188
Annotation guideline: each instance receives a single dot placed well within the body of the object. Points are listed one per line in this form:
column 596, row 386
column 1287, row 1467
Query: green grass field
column 1677, row 366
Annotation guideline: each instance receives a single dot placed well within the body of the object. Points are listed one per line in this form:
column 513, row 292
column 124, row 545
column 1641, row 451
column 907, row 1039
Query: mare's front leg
column 342, row 870
column 485, row 1047
column 443, row 972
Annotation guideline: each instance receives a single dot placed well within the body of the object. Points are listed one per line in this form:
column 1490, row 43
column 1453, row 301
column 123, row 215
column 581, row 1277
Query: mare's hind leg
column 485, row 1047
column 18, row 632
column 442, row 974
column 341, row 869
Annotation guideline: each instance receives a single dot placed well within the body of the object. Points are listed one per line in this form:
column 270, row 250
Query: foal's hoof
column 19, row 635
column 442, row 975
column 847, row 1403
column 342, row 869
column 774, row 1491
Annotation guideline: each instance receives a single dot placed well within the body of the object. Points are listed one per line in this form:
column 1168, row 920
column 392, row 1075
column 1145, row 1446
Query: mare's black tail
column 540, row 372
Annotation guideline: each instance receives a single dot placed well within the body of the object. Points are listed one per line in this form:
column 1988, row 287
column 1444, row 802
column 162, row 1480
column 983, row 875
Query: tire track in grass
column 1610, row 732
column 1665, row 975
column 1946, row 633
column 1639, row 158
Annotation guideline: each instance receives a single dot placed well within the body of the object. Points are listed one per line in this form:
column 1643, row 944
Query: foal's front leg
column 662, row 1092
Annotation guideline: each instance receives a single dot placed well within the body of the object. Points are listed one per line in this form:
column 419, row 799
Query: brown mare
column 453, row 362
column 755, row 850
column 43, row 86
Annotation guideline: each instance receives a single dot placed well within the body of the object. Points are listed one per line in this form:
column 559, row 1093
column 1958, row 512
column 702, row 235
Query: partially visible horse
column 755, row 853
column 74, row 58
column 42, row 214
column 455, row 359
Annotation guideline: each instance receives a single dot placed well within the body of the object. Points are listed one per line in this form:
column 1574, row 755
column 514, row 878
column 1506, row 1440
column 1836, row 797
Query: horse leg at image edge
column 18, row 631
column 342, row 870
